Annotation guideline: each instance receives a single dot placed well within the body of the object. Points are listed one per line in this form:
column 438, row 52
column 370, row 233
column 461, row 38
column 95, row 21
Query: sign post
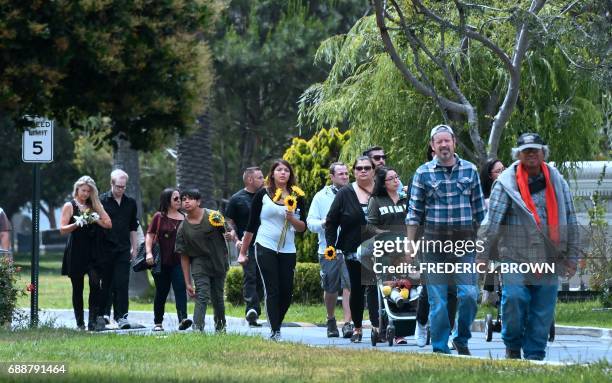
column 37, row 148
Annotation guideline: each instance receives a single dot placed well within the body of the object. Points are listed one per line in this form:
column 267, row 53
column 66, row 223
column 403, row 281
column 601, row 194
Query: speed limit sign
column 38, row 142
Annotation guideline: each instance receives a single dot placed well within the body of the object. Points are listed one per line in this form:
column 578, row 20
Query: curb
column 477, row 326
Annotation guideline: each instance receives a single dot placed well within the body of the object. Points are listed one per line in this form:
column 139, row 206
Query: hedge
column 306, row 284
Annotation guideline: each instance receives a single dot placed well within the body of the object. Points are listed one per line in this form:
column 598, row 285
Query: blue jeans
column 467, row 295
column 527, row 313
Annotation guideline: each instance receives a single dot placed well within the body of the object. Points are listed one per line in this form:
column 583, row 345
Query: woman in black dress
column 83, row 218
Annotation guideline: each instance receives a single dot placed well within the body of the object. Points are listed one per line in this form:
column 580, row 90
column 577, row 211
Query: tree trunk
column 194, row 162
column 126, row 158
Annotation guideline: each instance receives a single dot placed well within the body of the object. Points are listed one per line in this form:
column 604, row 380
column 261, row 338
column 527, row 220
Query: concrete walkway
column 573, row 345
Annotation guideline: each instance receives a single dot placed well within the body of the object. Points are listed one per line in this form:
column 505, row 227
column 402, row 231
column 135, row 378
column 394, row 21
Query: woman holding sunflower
column 349, row 213
column 277, row 212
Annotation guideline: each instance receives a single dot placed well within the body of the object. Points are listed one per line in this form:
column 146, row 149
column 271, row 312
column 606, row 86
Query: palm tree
column 194, row 162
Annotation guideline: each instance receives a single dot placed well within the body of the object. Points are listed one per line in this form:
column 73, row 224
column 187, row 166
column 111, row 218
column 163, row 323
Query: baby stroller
column 492, row 326
column 397, row 293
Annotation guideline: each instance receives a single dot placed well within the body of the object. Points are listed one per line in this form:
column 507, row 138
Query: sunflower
column 298, row 191
column 330, row 253
column 277, row 195
column 216, row 219
column 290, row 203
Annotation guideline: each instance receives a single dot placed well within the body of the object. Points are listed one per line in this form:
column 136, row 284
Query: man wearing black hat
column 531, row 213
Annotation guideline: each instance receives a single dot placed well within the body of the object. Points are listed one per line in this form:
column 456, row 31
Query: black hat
column 529, row 141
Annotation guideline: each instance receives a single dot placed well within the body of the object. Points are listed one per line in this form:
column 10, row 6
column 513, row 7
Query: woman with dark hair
column 273, row 224
column 348, row 212
column 163, row 229
column 489, row 173
column 387, row 211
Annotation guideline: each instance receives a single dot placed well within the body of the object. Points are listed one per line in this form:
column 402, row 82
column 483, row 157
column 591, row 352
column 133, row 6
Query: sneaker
column 461, row 349
column 251, row 317
column 420, row 334
column 356, row 337
column 347, row 330
column 106, row 319
column 332, row 328
column 275, row 336
column 185, row 324
column 123, row 323
column 513, row 354
column 100, row 324
column 399, row 340
column 158, row 327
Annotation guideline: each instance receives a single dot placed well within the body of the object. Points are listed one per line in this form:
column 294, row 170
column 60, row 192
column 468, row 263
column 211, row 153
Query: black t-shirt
column 238, row 209
column 124, row 219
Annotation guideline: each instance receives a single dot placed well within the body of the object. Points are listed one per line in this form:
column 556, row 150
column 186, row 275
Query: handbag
column 140, row 262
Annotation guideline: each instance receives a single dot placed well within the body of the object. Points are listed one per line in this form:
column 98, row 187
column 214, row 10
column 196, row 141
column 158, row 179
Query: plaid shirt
column 440, row 198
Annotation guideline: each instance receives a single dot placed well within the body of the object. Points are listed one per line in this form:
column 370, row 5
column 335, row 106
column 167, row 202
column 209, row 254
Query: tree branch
column 401, row 66
column 507, row 107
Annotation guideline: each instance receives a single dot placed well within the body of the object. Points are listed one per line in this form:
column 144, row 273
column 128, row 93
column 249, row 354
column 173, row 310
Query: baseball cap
column 441, row 129
column 529, row 141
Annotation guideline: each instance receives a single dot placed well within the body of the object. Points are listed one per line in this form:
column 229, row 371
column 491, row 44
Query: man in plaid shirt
column 532, row 220
column 447, row 199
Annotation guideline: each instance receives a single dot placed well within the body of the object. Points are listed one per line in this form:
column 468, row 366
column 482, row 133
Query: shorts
column 334, row 274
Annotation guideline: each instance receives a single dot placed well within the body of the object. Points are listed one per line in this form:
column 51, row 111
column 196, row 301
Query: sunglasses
column 379, row 157
column 120, row 186
column 176, row 199
column 363, row 168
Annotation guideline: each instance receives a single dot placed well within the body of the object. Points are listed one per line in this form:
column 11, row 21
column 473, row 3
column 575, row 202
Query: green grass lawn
column 55, row 293
column 231, row 358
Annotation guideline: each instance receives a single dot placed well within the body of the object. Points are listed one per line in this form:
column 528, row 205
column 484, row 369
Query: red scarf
column 552, row 211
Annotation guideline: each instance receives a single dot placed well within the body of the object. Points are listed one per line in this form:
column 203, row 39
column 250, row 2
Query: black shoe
column 513, row 354
column 356, row 337
column 332, row 328
column 91, row 326
column 347, row 330
column 275, row 336
column 185, row 324
column 100, row 324
column 461, row 349
column 251, row 317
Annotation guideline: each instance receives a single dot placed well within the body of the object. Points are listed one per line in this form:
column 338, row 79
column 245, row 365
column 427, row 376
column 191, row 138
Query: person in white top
column 334, row 274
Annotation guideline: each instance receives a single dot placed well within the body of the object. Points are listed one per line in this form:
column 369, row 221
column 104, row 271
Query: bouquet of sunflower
column 217, row 220
column 290, row 202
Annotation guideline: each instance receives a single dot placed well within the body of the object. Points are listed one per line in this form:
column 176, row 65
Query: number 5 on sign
column 38, row 142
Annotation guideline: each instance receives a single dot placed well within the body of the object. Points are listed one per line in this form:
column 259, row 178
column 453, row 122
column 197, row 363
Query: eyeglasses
column 121, row 187
column 176, row 199
column 363, row 168
column 392, row 178
column 379, row 157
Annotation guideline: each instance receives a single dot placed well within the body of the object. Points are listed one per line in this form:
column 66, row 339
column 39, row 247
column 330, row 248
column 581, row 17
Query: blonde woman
column 83, row 218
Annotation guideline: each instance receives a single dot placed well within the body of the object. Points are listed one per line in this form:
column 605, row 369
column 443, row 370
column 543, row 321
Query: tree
column 141, row 64
column 262, row 56
column 311, row 160
column 366, row 88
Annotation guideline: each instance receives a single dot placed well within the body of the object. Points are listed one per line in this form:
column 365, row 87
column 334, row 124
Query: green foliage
column 310, row 160
column 263, row 53
column 8, row 290
column 306, row 284
column 142, row 64
column 365, row 90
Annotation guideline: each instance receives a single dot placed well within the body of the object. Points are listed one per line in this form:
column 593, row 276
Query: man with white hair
column 121, row 244
column 531, row 213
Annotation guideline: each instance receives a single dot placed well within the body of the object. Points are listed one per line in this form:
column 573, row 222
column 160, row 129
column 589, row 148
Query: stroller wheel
column 551, row 333
column 489, row 327
column 374, row 336
column 390, row 335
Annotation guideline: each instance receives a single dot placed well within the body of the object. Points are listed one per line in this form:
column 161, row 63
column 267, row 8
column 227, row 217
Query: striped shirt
column 446, row 197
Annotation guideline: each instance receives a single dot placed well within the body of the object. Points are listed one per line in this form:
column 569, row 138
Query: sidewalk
column 573, row 345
